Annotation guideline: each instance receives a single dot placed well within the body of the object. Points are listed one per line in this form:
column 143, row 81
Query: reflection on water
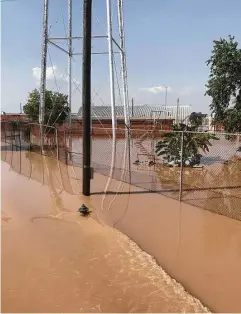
column 69, row 263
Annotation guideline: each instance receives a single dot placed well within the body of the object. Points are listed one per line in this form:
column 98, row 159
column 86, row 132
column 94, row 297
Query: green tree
column 193, row 142
column 224, row 84
column 56, row 107
column 196, row 119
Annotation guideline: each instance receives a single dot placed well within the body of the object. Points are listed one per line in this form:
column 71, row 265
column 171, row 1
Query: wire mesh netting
column 215, row 184
column 200, row 168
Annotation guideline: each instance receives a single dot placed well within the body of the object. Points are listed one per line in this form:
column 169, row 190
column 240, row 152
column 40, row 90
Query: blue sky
column 167, row 44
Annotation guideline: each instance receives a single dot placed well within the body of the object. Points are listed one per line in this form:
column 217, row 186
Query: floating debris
column 84, row 210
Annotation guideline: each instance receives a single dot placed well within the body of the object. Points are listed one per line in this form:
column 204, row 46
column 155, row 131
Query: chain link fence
column 200, row 168
column 26, row 136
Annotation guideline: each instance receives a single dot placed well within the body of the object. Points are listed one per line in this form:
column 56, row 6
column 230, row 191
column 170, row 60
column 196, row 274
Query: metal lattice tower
column 118, row 43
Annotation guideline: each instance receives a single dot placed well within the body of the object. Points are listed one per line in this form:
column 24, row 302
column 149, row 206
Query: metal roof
column 140, row 111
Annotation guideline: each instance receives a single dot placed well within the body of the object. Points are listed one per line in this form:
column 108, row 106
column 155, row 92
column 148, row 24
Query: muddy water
column 216, row 186
column 198, row 248
column 53, row 260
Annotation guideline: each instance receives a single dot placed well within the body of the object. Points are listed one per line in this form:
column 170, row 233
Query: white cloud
column 52, row 73
column 181, row 91
column 157, row 89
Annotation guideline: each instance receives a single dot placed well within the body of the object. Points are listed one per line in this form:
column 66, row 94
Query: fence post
column 57, row 142
column 5, row 132
column 20, row 148
column 181, row 169
column 30, row 137
column 12, row 136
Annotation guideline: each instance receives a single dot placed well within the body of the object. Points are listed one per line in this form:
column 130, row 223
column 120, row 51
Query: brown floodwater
column 215, row 186
column 53, row 260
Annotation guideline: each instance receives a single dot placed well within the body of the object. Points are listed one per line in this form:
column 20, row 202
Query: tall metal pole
column 182, row 168
column 43, row 70
column 112, row 90
column 86, row 95
column 166, row 96
column 70, row 6
column 165, row 101
column 70, row 60
column 123, row 62
column 111, row 67
column 125, row 84
column 177, row 117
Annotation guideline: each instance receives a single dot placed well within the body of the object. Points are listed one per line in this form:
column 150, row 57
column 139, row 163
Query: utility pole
column 86, row 95
column 70, row 7
column 21, row 108
column 177, row 115
column 43, row 71
column 166, row 87
column 123, row 62
column 111, row 67
column 70, row 59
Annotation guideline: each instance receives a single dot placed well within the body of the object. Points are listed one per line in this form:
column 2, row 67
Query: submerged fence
column 200, row 168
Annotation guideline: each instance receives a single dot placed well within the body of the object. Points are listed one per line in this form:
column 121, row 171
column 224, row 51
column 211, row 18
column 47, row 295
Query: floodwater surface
column 54, row 260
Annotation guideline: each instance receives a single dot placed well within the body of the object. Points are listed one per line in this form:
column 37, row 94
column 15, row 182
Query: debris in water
column 84, row 210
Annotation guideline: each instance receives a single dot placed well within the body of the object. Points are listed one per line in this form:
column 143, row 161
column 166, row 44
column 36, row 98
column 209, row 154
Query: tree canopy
column 56, row 107
column 224, row 84
column 193, row 143
column 196, row 119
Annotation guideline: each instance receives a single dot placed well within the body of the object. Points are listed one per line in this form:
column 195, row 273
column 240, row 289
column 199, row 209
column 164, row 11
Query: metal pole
column 181, row 169
column 43, row 70
column 70, row 6
column 111, row 67
column 112, row 90
column 20, row 153
column 86, row 95
column 165, row 102
column 57, row 143
column 124, row 81
column 177, row 117
column 70, row 60
column 123, row 62
column 166, row 96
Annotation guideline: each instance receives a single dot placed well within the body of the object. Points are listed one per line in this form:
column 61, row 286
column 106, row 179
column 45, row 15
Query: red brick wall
column 99, row 126
column 13, row 116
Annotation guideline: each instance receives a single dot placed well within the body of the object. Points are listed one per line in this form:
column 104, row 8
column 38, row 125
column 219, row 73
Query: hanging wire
column 117, row 80
column 62, row 15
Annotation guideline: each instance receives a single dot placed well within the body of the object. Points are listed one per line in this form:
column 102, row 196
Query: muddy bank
column 198, row 248
column 53, row 260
